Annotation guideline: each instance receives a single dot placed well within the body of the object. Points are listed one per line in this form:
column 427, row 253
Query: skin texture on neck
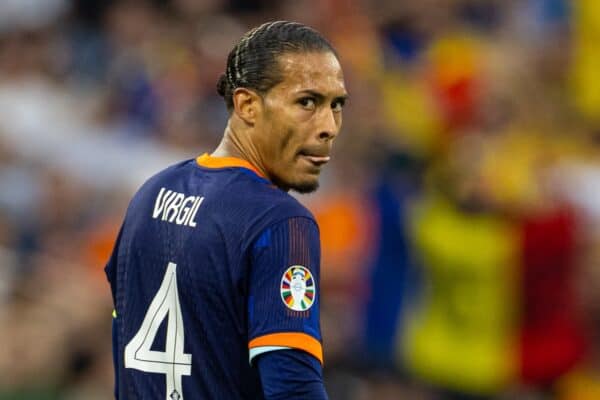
column 236, row 142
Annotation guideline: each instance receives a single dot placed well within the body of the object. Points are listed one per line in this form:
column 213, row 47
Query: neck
column 236, row 143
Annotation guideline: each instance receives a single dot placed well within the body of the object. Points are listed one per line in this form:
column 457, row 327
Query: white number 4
column 172, row 362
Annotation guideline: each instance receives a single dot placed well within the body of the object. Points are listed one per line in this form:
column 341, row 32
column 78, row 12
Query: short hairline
column 278, row 61
column 277, row 58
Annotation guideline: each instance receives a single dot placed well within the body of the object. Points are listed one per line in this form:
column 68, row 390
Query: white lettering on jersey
column 175, row 207
column 161, row 200
column 195, row 208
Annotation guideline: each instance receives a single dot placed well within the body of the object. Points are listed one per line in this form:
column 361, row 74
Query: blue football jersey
column 213, row 266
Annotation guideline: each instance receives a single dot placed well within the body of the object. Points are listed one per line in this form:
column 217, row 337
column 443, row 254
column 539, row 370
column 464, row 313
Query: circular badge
column 298, row 288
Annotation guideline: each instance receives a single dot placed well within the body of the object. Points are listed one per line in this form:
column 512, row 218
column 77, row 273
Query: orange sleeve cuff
column 295, row 340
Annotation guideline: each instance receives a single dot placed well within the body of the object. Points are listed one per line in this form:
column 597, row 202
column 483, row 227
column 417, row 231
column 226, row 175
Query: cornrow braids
column 252, row 63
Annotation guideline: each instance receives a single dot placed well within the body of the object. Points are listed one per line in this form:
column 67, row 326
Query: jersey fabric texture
column 291, row 375
column 213, row 266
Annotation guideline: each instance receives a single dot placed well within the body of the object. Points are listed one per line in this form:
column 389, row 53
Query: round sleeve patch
column 297, row 288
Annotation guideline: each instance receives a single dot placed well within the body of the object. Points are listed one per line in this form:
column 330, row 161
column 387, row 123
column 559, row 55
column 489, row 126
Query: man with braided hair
column 215, row 272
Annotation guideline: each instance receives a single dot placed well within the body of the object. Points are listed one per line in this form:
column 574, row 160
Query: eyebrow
column 321, row 96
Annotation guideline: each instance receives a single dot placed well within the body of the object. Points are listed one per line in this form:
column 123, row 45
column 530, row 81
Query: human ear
column 246, row 105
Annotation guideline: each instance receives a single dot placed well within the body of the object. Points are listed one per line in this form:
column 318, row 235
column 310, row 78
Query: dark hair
column 252, row 63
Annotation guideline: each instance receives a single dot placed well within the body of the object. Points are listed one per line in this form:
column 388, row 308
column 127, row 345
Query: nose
column 329, row 126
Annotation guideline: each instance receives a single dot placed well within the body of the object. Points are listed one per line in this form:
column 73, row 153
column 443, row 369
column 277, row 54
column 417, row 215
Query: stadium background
column 460, row 219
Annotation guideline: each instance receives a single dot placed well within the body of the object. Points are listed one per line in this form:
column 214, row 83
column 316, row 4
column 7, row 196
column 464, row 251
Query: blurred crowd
column 460, row 218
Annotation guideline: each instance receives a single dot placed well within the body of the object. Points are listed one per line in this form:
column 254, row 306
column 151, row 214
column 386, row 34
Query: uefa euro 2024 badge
column 298, row 288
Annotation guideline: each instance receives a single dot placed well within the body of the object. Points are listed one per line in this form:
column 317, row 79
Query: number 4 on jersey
column 172, row 362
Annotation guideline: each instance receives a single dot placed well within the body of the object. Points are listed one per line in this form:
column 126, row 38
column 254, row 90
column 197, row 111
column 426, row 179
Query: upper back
column 183, row 256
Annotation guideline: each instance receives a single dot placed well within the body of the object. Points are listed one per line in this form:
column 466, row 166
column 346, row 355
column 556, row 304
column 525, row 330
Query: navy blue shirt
column 213, row 267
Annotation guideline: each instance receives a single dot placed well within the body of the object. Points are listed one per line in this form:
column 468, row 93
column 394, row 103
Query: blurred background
column 460, row 219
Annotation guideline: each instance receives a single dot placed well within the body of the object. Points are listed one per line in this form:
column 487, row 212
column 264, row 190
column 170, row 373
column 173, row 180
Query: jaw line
column 302, row 187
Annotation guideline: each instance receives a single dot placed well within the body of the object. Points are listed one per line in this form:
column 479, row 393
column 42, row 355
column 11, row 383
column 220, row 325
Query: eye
column 308, row 102
column 338, row 105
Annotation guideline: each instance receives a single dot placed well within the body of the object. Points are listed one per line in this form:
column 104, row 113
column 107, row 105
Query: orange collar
column 208, row 161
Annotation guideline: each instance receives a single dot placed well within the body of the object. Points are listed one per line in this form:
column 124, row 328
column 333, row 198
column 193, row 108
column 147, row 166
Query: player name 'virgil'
column 176, row 207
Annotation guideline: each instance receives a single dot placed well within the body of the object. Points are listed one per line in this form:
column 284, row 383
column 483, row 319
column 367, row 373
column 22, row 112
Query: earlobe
column 246, row 105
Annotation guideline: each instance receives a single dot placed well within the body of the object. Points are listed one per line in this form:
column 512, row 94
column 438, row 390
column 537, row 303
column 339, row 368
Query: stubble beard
column 299, row 187
column 305, row 188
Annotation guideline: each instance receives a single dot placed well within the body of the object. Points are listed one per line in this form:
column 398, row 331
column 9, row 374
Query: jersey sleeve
column 283, row 301
column 291, row 374
column 110, row 268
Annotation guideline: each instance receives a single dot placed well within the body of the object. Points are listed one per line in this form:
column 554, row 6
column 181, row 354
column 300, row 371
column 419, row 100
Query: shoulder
column 288, row 206
column 282, row 206
column 242, row 189
column 253, row 208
